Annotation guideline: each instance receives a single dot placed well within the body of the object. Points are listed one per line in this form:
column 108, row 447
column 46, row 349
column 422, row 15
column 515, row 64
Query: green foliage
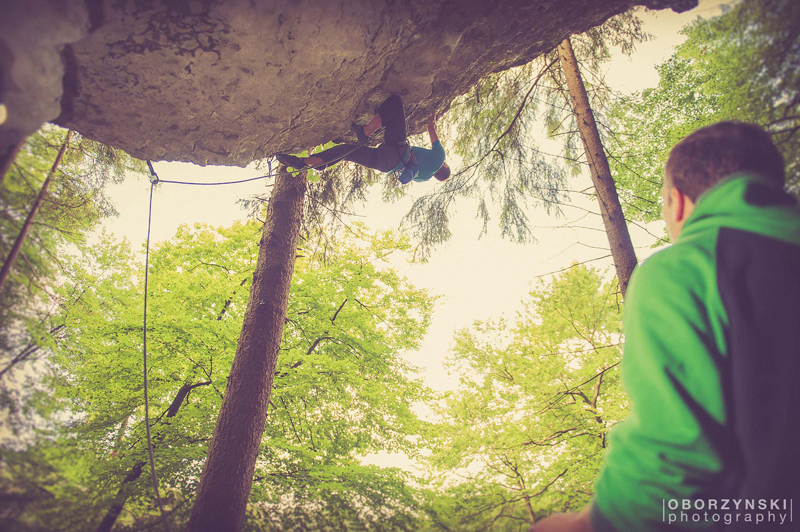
column 525, row 431
column 500, row 166
column 329, row 199
column 74, row 205
column 741, row 65
column 341, row 391
column 329, row 202
column 493, row 127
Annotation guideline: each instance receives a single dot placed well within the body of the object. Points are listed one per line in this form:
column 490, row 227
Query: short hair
column 442, row 173
column 714, row 152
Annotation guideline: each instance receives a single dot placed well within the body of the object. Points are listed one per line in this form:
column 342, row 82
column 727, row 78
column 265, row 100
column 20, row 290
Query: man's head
column 442, row 173
column 708, row 156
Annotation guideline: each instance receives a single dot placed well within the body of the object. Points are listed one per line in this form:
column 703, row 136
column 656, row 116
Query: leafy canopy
column 741, row 65
column 74, row 205
column 342, row 388
column 524, row 433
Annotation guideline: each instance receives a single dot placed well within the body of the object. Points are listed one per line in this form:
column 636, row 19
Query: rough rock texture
column 231, row 81
column 33, row 34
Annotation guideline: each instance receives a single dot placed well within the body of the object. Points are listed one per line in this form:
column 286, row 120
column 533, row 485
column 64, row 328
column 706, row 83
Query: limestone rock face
column 231, row 81
column 33, row 34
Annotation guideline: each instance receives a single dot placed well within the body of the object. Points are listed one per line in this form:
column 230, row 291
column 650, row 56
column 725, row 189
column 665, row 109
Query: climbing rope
column 154, row 180
column 267, row 176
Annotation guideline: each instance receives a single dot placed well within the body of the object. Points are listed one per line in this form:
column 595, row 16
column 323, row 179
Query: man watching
column 712, row 349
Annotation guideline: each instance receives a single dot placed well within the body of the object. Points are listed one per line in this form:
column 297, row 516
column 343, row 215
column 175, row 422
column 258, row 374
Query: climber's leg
column 391, row 116
column 347, row 152
column 389, row 113
column 383, row 158
column 362, row 155
column 388, row 156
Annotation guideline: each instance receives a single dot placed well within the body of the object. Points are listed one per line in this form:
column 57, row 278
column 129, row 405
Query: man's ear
column 678, row 199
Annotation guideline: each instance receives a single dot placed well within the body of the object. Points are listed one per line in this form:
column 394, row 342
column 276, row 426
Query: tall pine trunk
column 228, row 473
column 12, row 256
column 617, row 231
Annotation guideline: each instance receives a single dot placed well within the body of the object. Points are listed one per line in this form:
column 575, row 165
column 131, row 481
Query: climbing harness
column 410, row 169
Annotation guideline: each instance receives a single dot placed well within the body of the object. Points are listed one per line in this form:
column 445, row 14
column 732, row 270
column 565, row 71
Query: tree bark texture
column 228, row 473
column 12, row 256
column 617, row 231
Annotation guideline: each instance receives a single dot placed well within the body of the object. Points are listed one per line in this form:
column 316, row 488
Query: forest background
column 392, row 407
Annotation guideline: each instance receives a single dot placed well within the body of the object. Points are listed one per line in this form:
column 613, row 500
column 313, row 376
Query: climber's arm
column 432, row 128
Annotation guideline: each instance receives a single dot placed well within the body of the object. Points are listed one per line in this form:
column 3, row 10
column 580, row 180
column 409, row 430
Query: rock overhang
column 232, row 81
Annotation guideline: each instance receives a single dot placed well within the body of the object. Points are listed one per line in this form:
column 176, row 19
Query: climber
column 394, row 155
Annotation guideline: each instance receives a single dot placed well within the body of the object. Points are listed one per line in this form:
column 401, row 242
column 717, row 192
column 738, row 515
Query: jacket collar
column 745, row 201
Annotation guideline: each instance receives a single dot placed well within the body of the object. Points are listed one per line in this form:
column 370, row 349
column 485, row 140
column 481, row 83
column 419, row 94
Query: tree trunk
column 228, row 472
column 119, row 501
column 12, row 256
column 610, row 209
column 530, row 510
column 7, row 159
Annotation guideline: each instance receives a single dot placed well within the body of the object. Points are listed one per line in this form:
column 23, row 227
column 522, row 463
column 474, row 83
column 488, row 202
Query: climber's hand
column 432, row 127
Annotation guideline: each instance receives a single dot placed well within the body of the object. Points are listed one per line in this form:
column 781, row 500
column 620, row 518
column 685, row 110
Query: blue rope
column 144, row 354
column 270, row 174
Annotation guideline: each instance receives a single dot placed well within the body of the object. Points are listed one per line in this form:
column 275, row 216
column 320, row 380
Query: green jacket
column 711, row 364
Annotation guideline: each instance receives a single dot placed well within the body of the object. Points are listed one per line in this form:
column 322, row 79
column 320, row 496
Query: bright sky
column 478, row 279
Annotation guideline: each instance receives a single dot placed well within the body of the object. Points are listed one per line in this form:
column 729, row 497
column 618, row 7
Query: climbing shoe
column 291, row 161
column 359, row 131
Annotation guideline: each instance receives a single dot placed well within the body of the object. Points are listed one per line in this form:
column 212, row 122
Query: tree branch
column 183, row 393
